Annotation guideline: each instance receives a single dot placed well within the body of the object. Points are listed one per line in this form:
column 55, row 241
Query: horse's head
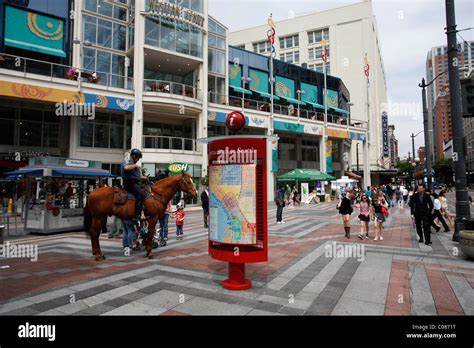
column 187, row 186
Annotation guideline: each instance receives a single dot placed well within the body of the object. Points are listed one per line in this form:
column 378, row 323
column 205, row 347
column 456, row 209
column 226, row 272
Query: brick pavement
column 397, row 276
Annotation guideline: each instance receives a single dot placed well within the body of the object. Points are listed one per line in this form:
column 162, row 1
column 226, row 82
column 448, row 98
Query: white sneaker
column 376, row 239
column 381, row 238
column 278, row 222
column 283, row 222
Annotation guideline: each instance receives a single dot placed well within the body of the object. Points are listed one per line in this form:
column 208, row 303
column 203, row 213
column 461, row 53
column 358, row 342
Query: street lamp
column 413, row 142
column 423, row 86
column 299, row 92
column 244, row 81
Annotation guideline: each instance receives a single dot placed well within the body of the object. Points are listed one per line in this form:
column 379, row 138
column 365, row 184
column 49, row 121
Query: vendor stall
column 57, row 191
column 316, row 179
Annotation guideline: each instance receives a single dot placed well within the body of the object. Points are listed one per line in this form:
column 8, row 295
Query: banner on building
column 275, row 156
column 385, row 134
column 329, row 156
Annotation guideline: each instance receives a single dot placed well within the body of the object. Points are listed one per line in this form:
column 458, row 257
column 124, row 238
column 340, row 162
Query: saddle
column 121, row 196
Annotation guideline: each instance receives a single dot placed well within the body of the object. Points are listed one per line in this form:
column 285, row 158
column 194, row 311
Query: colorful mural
column 20, row 90
column 235, row 73
column 328, row 156
column 284, row 87
column 332, row 99
column 258, row 80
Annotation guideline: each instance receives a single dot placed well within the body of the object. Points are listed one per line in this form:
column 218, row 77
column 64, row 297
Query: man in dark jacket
column 205, row 206
column 421, row 206
column 280, row 203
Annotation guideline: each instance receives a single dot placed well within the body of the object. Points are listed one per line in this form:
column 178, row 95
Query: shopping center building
column 159, row 76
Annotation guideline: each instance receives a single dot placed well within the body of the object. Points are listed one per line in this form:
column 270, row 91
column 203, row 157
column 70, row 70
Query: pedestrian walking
column 205, row 206
column 445, row 208
column 405, row 195
column 295, row 196
column 280, row 203
column 422, row 205
column 179, row 216
column 288, row 195
column 129, row 236
column 364, row 216
column 164, row 222
column 437, row 212
column 379, row 213
column 116, row 230
column 345, row 209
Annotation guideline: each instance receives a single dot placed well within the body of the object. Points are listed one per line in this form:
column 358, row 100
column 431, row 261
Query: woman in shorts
column 345, row 209
column 364, row 216
column 378, row 203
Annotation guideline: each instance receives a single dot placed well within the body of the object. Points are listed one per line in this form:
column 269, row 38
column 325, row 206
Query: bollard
column 2, row 228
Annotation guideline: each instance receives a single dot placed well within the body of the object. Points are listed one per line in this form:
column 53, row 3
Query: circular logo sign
column 235, row 121
column 177, row 167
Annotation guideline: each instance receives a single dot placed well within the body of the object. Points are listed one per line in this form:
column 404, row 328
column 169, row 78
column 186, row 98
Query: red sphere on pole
column 235, row 121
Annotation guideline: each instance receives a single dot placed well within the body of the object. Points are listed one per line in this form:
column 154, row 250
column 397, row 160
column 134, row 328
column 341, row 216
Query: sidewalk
column 397, row 276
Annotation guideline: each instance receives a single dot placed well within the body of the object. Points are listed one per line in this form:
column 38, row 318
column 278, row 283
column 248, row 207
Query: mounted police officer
column 131, row 180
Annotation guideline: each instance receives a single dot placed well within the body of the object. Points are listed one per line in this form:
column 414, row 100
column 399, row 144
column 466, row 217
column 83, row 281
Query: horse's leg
column 149, row 239
column 95, row 233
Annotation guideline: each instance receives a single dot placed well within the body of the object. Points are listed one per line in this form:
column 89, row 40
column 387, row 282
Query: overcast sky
column 407, row 30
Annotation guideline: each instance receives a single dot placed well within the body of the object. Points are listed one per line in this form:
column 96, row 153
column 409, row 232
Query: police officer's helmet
column 136, row 152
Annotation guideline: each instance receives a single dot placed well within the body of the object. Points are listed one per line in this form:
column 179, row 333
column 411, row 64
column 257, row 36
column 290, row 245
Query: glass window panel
column 30, row 133
column 101, row 135
column 51, row 135
column 182, row 38
column 152, row 31
column 120, row 13
column 101, row 117
column 289, row 42
column 116, row 119
column 104, row 33
column 31, row 114
column 6, row 134
column 90, row 29
column 310, row 38
column 116, row 137
column 196, row 42
column 282, row 42
column 120, row 35
column 220, row 30
column 311, row 54
column 188, row 132
column 104, row 8
column 103, row 61
column 297, row 57
column 196, row 5
column 89, row 59
column 212, row 26
column 90, row 5
column 150, row 169
column 118, row 65
column 177, row 130
column 296, row 40
column 167, row 130
column 212, row 40
column 50, row 116
column 86, row 132
column 168, row 34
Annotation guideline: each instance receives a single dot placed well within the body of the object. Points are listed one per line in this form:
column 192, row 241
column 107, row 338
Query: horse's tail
column 87, row 220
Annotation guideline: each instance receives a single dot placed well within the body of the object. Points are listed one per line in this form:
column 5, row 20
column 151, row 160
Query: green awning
column 241, row 90
column 316, row 105
column 267, row 95
column 342, row 111
column 293, row 101
column 306, row 175
column 34, row 32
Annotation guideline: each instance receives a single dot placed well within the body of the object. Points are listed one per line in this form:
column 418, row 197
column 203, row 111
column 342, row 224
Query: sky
column 408, row 29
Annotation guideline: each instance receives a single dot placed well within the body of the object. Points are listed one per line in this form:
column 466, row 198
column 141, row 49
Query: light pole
column 413, row 142
column 463, row 212
column 299, row 92
column 357, row 156
column 87, row 43
column 244, row 81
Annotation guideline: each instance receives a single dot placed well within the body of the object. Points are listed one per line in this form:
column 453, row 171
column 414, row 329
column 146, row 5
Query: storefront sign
column 177, row 167
column 336, row 133
column 174, row 11
column 385, row 134
column 76, row 163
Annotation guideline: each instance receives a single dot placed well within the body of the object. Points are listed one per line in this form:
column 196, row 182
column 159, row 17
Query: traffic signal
column 467, row 94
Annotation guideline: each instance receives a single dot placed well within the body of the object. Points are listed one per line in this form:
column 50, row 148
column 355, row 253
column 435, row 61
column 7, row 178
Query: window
column 289, row 41
column 105, row 33
column 216, row 41
column 310, row 150
column 262, row 47
column 319, row 67
column 37, row 128
column 105, row 8
column 90, row 29
column 120, row 35
column 287, row 149
column 216, row 61
column 182, row 38
column 216, row 88
column 315, row 37
column 105, row 131
column 290, row 57
column 216, row 28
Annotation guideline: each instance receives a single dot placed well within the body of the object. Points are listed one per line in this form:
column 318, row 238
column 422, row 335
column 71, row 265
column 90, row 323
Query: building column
column 365, row 150
column 138, row 71
column 322, row 155
column 271, row 175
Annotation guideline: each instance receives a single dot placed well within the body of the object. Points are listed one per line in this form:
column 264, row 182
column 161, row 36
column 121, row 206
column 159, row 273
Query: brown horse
column 100, row 204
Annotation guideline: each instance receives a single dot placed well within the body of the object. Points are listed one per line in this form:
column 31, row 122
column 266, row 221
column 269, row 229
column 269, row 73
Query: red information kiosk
column 238, row 204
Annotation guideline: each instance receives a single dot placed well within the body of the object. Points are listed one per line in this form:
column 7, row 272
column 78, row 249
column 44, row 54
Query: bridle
column 186, row 194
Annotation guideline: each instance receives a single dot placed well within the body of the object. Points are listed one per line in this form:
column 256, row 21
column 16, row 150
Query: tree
column 443, row 170
column 404, row 167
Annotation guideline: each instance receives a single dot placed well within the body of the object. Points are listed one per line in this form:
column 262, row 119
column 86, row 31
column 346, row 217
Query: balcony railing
column 53, row 70
column 172, row 88
column 277, row 108
column 169, row 143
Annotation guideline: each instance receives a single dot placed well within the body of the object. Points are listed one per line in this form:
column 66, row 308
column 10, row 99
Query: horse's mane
column 168, row 179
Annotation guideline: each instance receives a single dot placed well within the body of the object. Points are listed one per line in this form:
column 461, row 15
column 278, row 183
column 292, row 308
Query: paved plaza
column 396, row 276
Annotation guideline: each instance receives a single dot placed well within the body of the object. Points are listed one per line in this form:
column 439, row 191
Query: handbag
column 384, row 211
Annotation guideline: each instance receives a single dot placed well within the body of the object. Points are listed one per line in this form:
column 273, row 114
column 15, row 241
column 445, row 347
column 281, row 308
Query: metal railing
column 305, row 113
column 53, row 70
column 169, row 143
column 171, row 88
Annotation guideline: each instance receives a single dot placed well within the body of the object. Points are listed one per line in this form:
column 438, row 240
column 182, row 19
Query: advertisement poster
column 232, row 204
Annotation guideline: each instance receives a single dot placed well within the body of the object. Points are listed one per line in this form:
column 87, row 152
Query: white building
column 352, row 33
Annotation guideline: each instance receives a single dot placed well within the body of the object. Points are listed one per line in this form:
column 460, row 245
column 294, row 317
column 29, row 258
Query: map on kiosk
column 232, row 204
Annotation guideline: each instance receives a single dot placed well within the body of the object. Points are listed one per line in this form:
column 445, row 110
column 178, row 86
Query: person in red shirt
column 179, row 216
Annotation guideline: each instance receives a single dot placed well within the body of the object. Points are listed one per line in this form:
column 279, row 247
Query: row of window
column 215, row 28
column 316, row 53
column 107, row 9
column 320, row 67
column 105, row 131
column 291, row 41
column 174, row 36
column 105, row 33
column 168, row 130
column 103, row 62
column 290, row 57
